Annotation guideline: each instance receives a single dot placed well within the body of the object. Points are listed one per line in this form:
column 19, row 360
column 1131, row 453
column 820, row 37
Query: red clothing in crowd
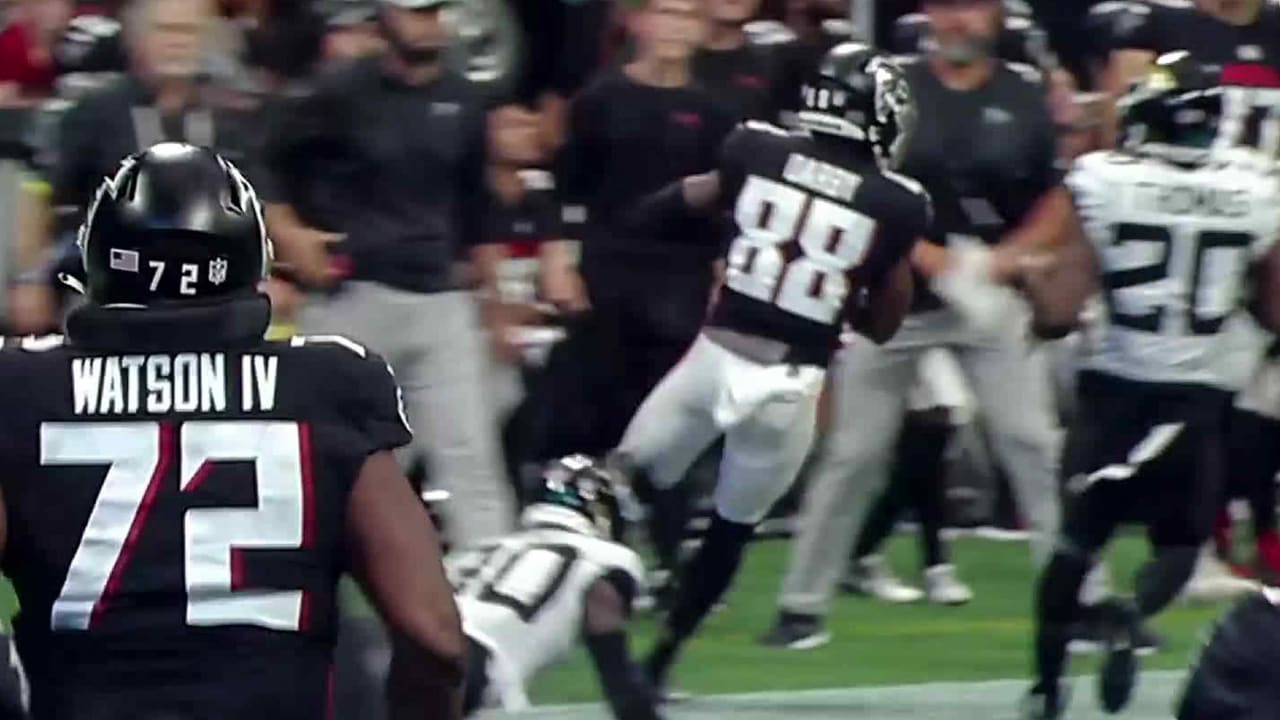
column 18, row 64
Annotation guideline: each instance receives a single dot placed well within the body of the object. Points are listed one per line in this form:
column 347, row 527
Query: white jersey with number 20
column 1175, row 245
column 522, row 597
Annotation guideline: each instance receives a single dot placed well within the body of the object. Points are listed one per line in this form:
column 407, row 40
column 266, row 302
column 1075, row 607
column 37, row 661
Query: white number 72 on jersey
column 833, row 240
column 139, row 456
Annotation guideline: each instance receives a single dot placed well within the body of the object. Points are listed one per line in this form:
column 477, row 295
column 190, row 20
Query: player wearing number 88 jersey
column 180, row 499
column 527, row 598
column 1182, row 233
column 822, row 229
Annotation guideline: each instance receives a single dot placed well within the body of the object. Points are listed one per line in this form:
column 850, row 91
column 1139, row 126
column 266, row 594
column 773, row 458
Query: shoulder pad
column 376, row 401
column 923, row 212
column 763, row 127
column 1029, row 73
column 1092, row 174
column 338, row 340
column 616, row 557
column 910, row 184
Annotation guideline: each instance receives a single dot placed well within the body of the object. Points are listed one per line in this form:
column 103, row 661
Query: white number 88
column 813, row 285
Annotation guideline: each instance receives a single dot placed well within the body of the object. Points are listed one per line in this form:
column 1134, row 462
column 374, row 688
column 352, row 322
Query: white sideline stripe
column 969, row 688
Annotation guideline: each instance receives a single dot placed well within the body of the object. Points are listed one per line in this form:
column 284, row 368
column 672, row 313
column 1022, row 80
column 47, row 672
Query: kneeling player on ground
column 824, row 227
column 526, row 598
column 180, row 502
column 1180, row 228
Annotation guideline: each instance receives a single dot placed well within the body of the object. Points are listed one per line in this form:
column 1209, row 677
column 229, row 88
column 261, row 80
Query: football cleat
column 943, row 587
column 1119, row 673
column 796, row 632
column 871, row 577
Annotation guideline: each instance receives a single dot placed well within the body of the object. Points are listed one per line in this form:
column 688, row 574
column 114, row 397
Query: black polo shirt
column 986, row 156
column 625, row 141
column 745, row 79
column 401, row 170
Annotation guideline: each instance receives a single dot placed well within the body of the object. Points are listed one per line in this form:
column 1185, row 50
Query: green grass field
column 877, row 650
column 877, row 644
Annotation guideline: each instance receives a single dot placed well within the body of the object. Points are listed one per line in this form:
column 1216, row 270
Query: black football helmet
column 1174, row 112
column 859, row 94
column 176, row 223
column 576, row 494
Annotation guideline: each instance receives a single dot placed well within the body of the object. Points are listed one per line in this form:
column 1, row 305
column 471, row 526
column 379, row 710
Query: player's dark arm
column 676, row 201
column 1059, row 283
column 605, row 635
column 396, row 558
column 1266, row 290
column 880, row 310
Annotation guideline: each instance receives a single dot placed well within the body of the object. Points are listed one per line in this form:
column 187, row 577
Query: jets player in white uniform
column 1183, row 236
column 527, row 598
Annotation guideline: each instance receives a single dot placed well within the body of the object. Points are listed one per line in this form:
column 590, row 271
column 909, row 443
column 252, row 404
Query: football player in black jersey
column 823, row 227
column 182, row 496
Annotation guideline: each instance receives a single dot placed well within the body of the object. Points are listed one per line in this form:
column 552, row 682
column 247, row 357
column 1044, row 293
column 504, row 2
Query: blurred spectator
column 91, row 44
column 351, row 31
column 1218, row 32
column 27, row 67
column 535, row 267
column 286, row 43
column 743, row 75
column 630, row 133
column 401, row 200
column 161, row 99
column 525, row 220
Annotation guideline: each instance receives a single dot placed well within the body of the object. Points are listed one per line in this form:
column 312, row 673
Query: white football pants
column 766, row 412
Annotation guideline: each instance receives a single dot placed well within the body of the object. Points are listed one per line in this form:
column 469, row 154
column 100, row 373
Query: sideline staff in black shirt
column 744, row 73
column 631, row 133
column 406, row 138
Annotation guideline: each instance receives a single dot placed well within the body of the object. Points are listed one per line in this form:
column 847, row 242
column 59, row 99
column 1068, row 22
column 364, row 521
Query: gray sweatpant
column 870, row 386
column 437, row 349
